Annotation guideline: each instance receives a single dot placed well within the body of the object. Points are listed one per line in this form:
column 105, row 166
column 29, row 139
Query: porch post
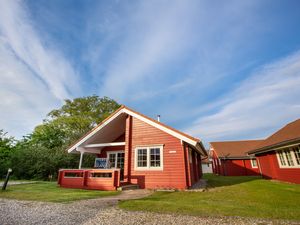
column 128, row 152
column 80, row 160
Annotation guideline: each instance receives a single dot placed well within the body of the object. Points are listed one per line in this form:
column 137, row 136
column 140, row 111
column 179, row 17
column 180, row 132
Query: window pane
column 112, row 160
column 142, row 157
column 297, row 154
column 282, row 159
column 289, row 157
column 154, row 157
column 120, row 160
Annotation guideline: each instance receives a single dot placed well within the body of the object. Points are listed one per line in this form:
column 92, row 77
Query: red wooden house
column 135, row 149
column 230, row 158
column 279, row 155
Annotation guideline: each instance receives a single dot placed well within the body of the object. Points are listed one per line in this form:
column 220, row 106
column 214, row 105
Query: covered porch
column 108, row 147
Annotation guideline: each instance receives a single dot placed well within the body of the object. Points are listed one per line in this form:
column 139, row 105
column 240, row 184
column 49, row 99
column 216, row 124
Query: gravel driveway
column 102, row 211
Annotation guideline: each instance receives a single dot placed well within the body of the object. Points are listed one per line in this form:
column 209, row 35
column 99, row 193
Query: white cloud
column 262, row 103
column 34, row 76
column 18, row 34
column 155, row 36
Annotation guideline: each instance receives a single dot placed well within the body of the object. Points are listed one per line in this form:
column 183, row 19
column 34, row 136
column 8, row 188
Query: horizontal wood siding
column 233, row 167
column 89, row 182
column 238, row 167
column 173, row 173
column 270, row 169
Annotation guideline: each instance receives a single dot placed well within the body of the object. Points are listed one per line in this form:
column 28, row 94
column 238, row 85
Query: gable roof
column 234, row 149
column 195, row 142
column 288, row 134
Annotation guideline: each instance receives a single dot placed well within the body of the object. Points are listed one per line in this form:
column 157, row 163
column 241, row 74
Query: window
column 154, row 157
column 282, row 159
column 142, row 157
column 296, row 151
column 112, row 160
column 253, row 163
column 149, row 158
column 289, row 157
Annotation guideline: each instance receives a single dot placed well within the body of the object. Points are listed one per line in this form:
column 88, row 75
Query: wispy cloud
column 34, row 75
column 20, row 37
column 266, row 100
column 174, row 50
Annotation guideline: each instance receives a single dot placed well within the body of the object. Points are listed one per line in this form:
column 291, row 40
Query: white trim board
column 105, row 144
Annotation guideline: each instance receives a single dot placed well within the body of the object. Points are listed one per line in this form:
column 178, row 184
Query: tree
column 43, row 152
column 6, row 149
column 73, row 119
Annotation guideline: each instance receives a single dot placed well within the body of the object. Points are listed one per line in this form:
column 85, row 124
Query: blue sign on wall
column 100, row 162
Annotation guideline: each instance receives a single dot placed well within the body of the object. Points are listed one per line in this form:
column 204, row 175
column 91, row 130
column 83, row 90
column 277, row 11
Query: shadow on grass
column 221, row 181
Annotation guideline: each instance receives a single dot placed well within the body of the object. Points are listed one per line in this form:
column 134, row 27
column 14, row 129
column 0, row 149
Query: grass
column 227, row 196
column 50, row 192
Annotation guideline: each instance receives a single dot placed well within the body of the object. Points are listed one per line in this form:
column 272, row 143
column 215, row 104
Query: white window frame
column 148, row 167
column 293, row 158
column 116, row 159
column 252, row 165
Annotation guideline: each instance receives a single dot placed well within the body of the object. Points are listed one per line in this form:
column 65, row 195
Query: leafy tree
column 6, row 149
column 43, row 152
column 73, row 119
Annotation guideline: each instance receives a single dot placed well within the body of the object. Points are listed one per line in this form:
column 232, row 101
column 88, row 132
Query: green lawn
column 228, row 196
column 50, row 192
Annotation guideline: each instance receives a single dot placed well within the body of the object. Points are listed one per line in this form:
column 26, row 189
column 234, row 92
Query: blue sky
column 218, row 70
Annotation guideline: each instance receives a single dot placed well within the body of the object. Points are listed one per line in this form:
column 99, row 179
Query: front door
column 116, row 160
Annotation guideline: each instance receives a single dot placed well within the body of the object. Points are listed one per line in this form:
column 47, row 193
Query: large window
column 289, row 157
column 149, row 158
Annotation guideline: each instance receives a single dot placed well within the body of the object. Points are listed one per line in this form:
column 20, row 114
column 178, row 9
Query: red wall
column 173, row 174
column 234, row 167
column 88, row 182
column 238, row 167
column 270, row 169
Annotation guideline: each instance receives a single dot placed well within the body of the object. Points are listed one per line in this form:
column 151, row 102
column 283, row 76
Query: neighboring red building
column 279, row 155
column 230, row 158
column 136, row 149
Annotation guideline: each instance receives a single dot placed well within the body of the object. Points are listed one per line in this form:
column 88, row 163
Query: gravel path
column 102, row 211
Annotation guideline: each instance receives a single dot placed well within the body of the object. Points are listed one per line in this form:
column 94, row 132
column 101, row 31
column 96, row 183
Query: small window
column 142, row 158
column 288, row 157
column 282, row 159
column 149, row 158
column 253, row 163
column 154, row 157
column 112, row 160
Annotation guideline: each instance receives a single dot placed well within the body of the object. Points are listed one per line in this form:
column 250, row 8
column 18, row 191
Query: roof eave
column 271, row 147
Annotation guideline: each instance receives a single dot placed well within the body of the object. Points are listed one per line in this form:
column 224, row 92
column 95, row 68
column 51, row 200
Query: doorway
column 115, row 160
